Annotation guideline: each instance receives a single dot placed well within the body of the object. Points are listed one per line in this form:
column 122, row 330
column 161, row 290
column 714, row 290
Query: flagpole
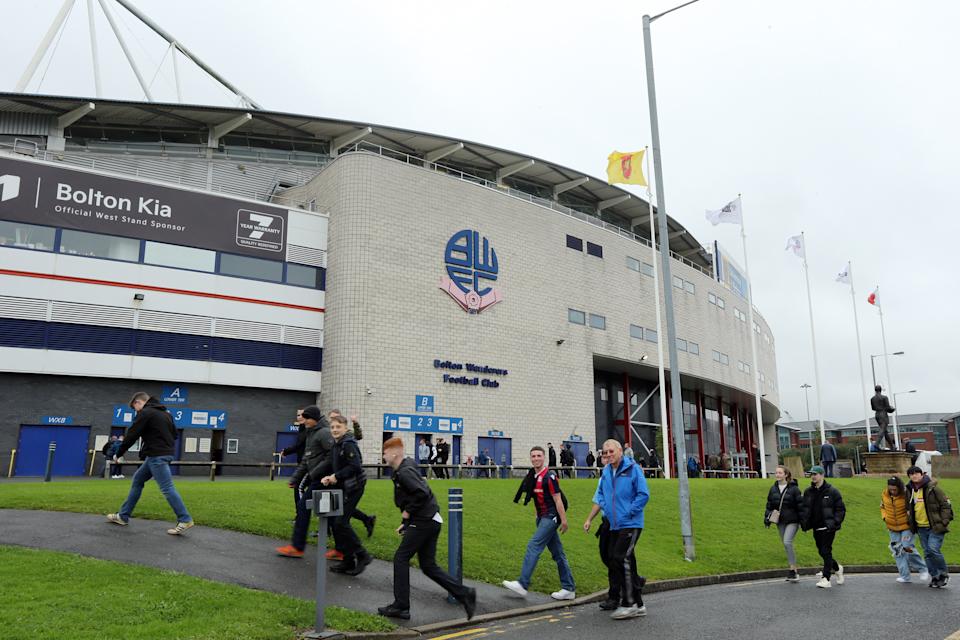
column 813, row 339
column 886, row 360
column 863, row 380
column 656, row 296
column 753, row 344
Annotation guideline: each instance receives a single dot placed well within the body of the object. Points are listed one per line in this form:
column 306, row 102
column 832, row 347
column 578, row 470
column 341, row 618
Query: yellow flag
column 626, row 168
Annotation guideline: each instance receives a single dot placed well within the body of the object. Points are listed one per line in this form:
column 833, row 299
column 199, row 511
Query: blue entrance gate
column 34, row 443
column 579, row 450
column 501, row 452
column 286, row 439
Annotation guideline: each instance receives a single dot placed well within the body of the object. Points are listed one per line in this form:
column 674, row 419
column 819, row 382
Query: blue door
column 34, row 443
column 579, row 450
column 455, row 455
column 286, row 439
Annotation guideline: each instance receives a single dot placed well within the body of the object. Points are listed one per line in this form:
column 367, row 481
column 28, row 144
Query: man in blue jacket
column 622, row 495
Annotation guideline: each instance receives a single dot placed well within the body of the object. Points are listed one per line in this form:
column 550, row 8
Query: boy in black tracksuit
column 349, row 476
column 823, row 511
column 420, row 528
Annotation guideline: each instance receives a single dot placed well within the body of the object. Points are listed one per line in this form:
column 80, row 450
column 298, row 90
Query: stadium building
column 241, row 263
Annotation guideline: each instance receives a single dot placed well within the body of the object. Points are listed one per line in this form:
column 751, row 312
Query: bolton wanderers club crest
column 471, row 263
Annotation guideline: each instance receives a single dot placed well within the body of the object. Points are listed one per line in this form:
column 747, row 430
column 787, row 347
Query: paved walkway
column 866, row 607
column 238, row 558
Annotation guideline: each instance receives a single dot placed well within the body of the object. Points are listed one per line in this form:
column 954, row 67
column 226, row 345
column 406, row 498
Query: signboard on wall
column 184, row 418
column 56, row 196
column 174, row 395
column 727, row 271
column 424, row 404
column 422, row 423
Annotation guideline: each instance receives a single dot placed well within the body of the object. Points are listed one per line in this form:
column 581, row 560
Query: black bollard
column 455, row 536
column 50, row 453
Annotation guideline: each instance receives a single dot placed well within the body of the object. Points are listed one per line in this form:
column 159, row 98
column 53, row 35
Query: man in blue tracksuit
column 622, row 495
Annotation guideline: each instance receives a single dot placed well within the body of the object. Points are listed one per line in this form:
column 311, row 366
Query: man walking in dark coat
column 828, row 457
column 348, row 475
column 823, row 511
column 420, row 527
column 297, row 449
column 154, row 426
column 551, row 456
column 881, row 410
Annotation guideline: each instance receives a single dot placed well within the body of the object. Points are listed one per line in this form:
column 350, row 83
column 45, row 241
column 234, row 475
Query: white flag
column 730, row 213
column 795, row 243
column 844, row 275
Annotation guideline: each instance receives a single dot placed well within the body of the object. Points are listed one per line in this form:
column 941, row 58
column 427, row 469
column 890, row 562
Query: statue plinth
column 889, row 463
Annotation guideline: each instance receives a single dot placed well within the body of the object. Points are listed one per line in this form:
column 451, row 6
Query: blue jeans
column 936, row 563
column 900, row 542
column 546, row 536
column 158, row 468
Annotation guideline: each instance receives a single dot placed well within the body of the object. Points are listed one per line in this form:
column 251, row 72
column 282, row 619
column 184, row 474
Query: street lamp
column 683, row 489
column 873, row 370
column 900, row 393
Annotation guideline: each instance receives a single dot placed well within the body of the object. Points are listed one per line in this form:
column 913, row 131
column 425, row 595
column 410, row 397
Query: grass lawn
column 727, row 522
column 54, row 595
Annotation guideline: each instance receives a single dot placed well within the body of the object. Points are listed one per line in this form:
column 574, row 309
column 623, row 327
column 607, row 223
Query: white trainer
column 516, row 587
column 564, row 594
column 824, row 583
column 924, row 576
column 840, row 574
column 903, row 580
column 180, row 529
column 623, row 613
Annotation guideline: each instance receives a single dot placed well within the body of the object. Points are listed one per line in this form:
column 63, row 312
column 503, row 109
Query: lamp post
column 686, row 523
column 806, row 395
column 873, row 369
column 901, row 393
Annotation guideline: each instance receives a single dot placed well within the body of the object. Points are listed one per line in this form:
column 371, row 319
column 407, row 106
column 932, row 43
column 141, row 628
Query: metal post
column 319, row 631
column 813, row 339
column 48, row 474
column 686, row 524
column 93, row 49
column 213, row 470
column 126, row 51
column 856, row 325
column 455, row 536
column 873, row 372
column 886, row 360
column 41, row 51
column 13, row 457
column 753, row 347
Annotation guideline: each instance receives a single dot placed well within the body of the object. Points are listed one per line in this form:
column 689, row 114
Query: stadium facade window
column 720, row 303
column 254, row 268
column 95, row 245
column 650, row 335
column 647, row 269
column 171, row 255
column 633, row 264
column 636, row 332
column 689, row 287
column 594, row 250
column 574, row 242
column 693, row 348
column 711, row 297
column 27, row 236
column 301, row 275
column 576, row 317
column 598, row 322
column 724, row 359
column 678, row 282
column 681, row 344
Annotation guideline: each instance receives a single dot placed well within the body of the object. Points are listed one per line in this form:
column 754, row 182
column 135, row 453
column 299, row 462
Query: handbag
column 774, row 516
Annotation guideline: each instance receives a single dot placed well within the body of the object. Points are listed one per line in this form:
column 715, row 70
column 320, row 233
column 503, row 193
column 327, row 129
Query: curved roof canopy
column 540, row 177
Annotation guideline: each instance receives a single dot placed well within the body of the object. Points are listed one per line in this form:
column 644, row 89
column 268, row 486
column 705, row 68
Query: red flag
column 874, row 297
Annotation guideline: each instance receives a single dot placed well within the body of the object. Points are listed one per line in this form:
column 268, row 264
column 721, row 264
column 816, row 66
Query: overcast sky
column 834, row 118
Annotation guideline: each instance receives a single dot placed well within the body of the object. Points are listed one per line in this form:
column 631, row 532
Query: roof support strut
column 569, row 184
column 432, row 156
column 606, row 204
column 348, row 138
column 222, row 129
column 510, row 169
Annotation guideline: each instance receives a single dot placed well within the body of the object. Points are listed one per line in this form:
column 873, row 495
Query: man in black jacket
column 369, row 521
column 823, row 511
column 420, row 528
column 297, row 449
column 315, row 465
column 349, row 476
column 154, row 427
column 551, row 456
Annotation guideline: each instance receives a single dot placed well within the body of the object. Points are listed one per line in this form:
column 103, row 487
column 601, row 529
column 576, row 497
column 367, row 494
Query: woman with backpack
column 783, row 509
column 895, row 514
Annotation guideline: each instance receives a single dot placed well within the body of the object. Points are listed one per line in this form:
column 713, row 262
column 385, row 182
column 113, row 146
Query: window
column 169, row 255
column 756, row 328
column 711, row 298
column 633, row 264
column 739, row 365
column 650, row 335
column 94, row 245
column 598, row 322
column 594, row 250
column 739, row 315
column 716, row 356
column 678, row 282
column 304, row 276
column 603, row 394
column 256, row 268
column 27, row 236
column 681, row 344
column 724, row 359
column 693, row 348
column 720, row 303
column 763, row 378
column 689, row 287
column 636, row 332
column 574, row 243
column 647, row 269
column 743, row 366
column 576, row 317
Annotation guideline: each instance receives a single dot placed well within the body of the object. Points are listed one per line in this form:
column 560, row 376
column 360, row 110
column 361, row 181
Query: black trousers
column 344, row 537
column 302, row 524
column 623, row 566
column 824, row 540
column 604, row 536
column 361, row 516
column 828, row 469
column 420, row 539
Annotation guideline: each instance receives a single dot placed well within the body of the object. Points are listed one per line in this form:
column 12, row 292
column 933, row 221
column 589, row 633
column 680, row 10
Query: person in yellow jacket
column 893, row 510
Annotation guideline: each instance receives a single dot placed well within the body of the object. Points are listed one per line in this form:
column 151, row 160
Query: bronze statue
column 881, row 407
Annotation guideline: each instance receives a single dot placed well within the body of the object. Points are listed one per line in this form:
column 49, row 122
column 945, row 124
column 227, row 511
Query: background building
column 471, row 293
